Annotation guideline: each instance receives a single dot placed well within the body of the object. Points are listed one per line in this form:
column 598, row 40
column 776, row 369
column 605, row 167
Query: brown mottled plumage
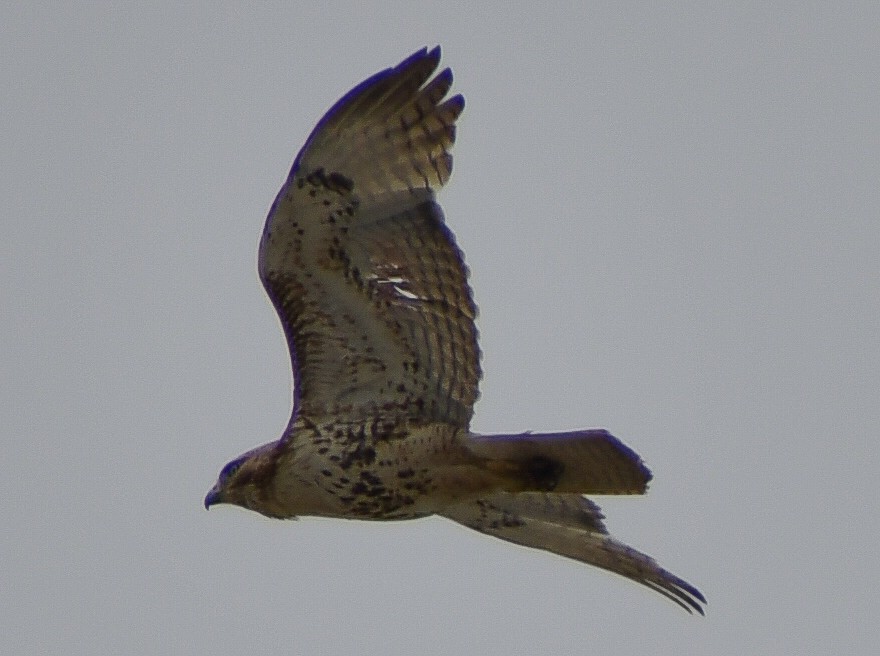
column 373, row 297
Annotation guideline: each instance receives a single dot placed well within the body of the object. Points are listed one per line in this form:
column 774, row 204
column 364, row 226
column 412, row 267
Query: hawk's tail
column 571, row 526
column 588, row 461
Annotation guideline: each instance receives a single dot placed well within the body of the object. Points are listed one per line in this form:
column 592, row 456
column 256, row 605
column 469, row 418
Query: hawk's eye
column 230, row 469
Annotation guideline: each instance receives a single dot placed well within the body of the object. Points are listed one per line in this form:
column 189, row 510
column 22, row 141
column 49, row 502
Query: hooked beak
column 214, row 497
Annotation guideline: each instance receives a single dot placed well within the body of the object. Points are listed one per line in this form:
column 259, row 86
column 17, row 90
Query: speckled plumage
column 372, row 294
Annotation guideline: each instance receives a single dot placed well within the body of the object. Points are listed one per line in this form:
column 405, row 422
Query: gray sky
column 671, row 220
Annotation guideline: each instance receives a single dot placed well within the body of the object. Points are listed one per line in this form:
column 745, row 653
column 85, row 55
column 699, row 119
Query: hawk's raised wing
column 368, row 282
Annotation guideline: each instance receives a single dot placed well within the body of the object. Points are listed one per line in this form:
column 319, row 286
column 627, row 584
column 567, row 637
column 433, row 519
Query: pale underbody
column 424, row 474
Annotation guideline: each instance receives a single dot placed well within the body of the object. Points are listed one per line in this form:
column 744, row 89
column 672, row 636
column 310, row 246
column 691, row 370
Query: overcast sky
column 671, row 218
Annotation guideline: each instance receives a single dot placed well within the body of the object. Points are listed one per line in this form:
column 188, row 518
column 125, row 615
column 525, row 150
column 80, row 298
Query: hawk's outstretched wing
column 367, row 280
column 571, row 525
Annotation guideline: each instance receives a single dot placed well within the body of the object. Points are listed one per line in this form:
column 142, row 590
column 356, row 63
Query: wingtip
column 455, row 103
column 682, row 593
column 423, row 53
column 696, row 594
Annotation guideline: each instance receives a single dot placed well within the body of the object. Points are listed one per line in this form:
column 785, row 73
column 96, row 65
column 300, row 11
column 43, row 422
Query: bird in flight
column 373, row 297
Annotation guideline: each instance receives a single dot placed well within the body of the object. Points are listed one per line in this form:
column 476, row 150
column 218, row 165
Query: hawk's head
column 248, row 481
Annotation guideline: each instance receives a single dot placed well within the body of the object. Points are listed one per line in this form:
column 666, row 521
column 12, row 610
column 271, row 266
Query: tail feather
column 588, row 461
column 571, row 525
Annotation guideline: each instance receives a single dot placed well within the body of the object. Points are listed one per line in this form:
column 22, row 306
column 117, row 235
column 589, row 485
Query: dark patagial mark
column 339, row 183
column 333, row 181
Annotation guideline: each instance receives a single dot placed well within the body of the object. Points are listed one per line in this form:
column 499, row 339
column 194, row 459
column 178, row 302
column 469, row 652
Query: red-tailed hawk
column 373, row 297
